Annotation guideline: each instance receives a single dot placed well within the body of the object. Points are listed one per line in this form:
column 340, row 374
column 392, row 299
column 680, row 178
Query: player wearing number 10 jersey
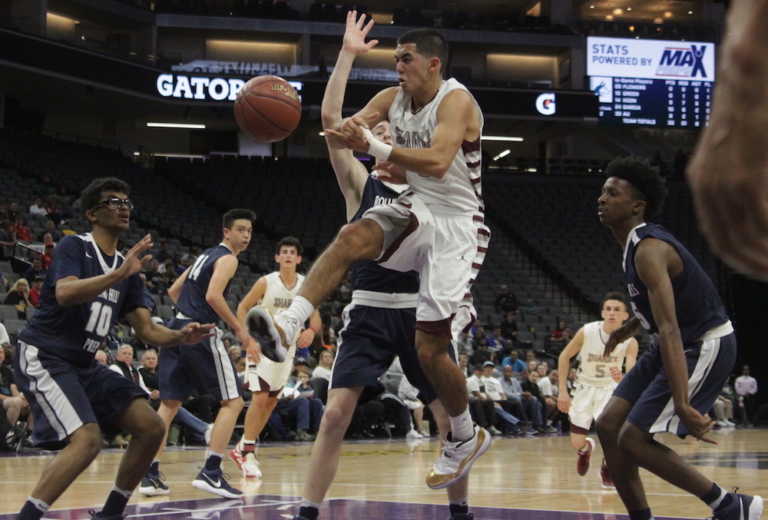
column 89, row 286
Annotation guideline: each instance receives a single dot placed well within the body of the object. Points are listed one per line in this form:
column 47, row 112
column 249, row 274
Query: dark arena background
column 144, row 90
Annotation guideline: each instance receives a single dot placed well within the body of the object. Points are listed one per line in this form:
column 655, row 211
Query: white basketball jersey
column 595, row 368
column 459, row 190
column 278, row 297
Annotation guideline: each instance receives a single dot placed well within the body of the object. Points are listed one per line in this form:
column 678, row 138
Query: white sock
column 307, row 503
column 126, row 494
column 714, row 504
column 300, row 310
column 39, row 504
column 461, row 426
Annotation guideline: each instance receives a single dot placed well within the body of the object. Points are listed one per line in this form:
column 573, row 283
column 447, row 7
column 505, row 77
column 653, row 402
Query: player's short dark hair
column 430, row 43
column 236, row 214
column 289, row 242
column 646, row 180
column 91, row 195
column 615, row 295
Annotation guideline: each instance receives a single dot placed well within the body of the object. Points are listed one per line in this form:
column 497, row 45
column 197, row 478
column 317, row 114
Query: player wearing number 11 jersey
column 89, row 286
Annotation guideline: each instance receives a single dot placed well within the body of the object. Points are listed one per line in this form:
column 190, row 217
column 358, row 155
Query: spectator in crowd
column 746, row 389
column 149, row 375
column 5, row 340
column 324, row 366
column 506, row 301
column 723, row 411
column 52, row 230
column 508, row 411
column 35, row 270
column 482, row 353
column 124, row 365
column 560, row 335
column 297, row 409
column 22, row 231
column 7, row 239
column 529, row 382
column 19, row 296
column 101, row 357
column 14, row 404
column 38, row 208
column 531, row 407
column 494, row 341
column 533, row 364
column 464, row 364
column 34, row 291
column 509, row 327
column 514, row 362
column 480, row 405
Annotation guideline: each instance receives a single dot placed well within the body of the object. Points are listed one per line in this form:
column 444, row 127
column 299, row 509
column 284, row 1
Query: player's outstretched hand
column 195, row 332
column 355, row 34
column 390, row 172
column 251, row 346
column 563, row 403
column 698, row 425
column 306, row 338
column 728, row 172
column 135, row 259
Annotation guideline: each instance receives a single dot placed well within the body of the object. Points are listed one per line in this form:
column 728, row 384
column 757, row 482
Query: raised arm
column 654, row 259
column 350, row 173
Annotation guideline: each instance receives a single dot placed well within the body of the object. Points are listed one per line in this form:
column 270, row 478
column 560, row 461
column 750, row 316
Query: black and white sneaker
column 152, row 485
column 213, row 481
column 262, row 327
column 742, row 507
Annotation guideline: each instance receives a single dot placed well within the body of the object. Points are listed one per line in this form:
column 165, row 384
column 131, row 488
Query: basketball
column 267, row 108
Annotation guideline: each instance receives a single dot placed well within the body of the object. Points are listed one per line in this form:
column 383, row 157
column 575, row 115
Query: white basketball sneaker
column 251, row 467
column 456, row 459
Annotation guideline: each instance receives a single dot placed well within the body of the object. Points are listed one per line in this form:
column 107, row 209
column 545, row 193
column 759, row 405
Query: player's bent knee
column 235, row 404
column 631, row 438
column 608, row 425
column 359, row 240
column 335, row 420
column 87, row 440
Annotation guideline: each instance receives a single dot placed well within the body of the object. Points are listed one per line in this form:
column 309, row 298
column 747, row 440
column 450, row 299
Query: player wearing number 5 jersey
column 598, row 375
column 89, row 286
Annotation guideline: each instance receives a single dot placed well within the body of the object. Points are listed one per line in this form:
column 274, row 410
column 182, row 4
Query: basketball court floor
column 521, row 479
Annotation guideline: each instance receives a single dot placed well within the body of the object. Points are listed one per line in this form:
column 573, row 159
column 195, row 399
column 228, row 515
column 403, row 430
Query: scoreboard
column 652, row 82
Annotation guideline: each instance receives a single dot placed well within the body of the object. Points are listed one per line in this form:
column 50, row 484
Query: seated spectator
column 746, row 389
column 530, row 385
column 506, row 301
column 723, row 411
column 481, row 353
column 35, row 270
column 7, row 239
column 506, row 410
column 531, row 407
column 480, row 405
column 34, row 291
column 304, row 412
column 19, row 296
column 47, row 258
column 101, row 357
column 494, row 341
column 22, row 231
column 37, row 207
column 324, row 366
column 533, row 364
column 14, row 404
column 509, row 327
column 561, row 334
column 513, row 361
column 148, row 373
column 52, row 231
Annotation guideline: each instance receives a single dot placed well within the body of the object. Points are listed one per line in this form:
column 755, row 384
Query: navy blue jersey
column 368, row 275
column 192, row 300
column 74, row 332
column 697, row 303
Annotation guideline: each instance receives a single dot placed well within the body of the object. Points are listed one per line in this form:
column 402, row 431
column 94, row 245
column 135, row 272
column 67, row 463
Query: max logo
column 686, row 62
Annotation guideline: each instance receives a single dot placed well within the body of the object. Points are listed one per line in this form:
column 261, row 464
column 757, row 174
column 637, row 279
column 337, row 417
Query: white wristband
column 377, row 148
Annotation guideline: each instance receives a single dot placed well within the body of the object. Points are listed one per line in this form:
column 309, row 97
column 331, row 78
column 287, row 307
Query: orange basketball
column 267, row 108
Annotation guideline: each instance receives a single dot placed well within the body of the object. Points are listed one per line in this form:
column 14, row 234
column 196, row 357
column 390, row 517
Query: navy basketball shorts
column 63, row 397
column 646, row 386
column 369, row 342
column 204, row 367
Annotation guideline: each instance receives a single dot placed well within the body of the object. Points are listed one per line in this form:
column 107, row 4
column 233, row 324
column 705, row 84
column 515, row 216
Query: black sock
column 154, row 469
column 213, row 463
column 30, row 512
column 459, row 509
column 643, row 514
column 309, row 512
column 717, row 497
column 116, row 502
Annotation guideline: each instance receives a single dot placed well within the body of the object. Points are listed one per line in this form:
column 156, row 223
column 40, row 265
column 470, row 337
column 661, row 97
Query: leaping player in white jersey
column 598, row 376
column 265, row 379
column 435, row 227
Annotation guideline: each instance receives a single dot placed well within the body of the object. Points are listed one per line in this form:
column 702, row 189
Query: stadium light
column 502, row 138
column 175, row 125
column 502, row 154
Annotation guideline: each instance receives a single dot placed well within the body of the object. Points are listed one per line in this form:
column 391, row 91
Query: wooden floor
column 536, row 474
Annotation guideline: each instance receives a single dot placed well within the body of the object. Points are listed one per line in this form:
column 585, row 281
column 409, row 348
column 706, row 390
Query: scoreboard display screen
column 652, row 82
